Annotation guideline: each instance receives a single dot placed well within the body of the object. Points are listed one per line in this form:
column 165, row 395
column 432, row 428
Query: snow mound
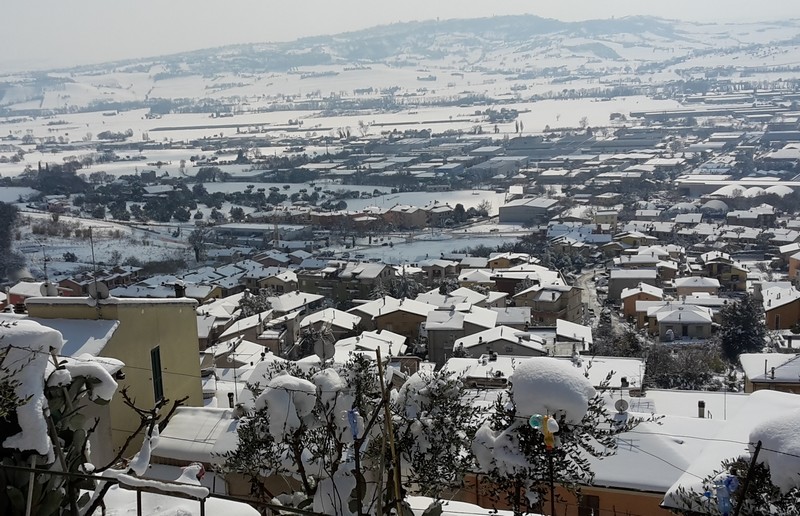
column 141, row 461
column 413, row 395
column 780, row 433
column 288, row 399
column 333, row 493
column 330, row 384
column 100, row 382
column 546, row 385
column 28, row 345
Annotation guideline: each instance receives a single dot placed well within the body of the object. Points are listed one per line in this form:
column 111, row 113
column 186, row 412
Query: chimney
column 180, row 289
column 701, row 409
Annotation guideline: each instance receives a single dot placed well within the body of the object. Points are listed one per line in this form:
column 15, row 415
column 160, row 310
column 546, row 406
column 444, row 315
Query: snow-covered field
column 179, row 127
column 113, row 243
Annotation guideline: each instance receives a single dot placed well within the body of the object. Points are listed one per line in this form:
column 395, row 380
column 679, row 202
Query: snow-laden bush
column 50, row 397
column 514, row 456
column 327, row 430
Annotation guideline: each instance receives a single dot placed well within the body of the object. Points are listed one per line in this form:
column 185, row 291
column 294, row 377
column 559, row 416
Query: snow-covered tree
column 435, row 421
column 541, row 432
column 252, row 304
column 327, row 429
column 300, row 427
column 47, row 429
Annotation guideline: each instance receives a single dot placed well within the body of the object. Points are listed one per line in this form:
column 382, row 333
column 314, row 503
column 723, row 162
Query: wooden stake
column 388, row 416
column 743, row 496
column 31, row 480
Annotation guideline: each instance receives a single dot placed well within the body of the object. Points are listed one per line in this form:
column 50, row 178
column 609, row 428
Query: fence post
column 31, row 480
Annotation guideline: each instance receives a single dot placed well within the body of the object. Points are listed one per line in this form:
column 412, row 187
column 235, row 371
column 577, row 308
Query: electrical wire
column 706, row 439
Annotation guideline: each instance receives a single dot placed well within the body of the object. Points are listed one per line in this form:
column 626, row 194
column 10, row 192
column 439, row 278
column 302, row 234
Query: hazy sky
column 50, row 33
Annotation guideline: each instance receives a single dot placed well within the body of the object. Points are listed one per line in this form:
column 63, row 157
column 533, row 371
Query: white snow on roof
column 27, row 289
column 775, row 297
column 293, row 301
column 719, row 404
column 501, row 334
column 452, row 508
column 246, row 323
column 332, row 316
column 758, row 364
column 192, row 432
column 574, row 331
column 731, row 442
column 697, row 282
column 388, row 342
column 456, row 319
column 639, row 463
column 81, row 336
column 642, row 288
column 388, row 304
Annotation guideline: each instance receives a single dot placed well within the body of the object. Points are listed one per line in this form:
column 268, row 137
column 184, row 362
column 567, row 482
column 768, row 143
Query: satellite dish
column 621, row 405
column 48, row 290
column 97, row 290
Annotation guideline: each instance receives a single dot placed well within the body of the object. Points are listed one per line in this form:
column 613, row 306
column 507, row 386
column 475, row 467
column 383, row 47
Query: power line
column 288, row 389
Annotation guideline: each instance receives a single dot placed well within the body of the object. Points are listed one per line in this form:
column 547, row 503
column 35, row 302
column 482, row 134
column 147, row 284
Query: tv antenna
column 96, row 289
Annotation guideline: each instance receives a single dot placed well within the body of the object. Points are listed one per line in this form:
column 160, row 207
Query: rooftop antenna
column 44, row 261
column 96, row 289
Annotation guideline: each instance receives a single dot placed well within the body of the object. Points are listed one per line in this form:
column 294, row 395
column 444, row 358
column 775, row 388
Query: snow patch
column 780, row 433
column 288, row 399
column 548, row 386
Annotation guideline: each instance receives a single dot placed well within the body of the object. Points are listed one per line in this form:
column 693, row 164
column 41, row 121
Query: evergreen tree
column 253, row 304
column 10, row 261
column 743, row 328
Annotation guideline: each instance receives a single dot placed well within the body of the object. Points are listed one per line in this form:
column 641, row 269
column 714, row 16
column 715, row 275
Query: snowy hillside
column 506, row 55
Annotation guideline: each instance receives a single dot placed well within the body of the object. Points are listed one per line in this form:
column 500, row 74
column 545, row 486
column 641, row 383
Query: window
column 589, row 506
column 155, row 364
column 777, row 321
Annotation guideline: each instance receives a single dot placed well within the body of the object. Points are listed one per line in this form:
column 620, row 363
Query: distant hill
column 461, row 38
column 453, row 58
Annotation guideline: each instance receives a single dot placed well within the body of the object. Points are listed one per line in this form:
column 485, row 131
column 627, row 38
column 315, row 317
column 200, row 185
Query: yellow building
column 156, row 339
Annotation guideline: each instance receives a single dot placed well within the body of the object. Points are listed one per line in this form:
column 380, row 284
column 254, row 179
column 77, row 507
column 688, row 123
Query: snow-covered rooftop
column 731, row 442
column 80, row 335
column 192, row 433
